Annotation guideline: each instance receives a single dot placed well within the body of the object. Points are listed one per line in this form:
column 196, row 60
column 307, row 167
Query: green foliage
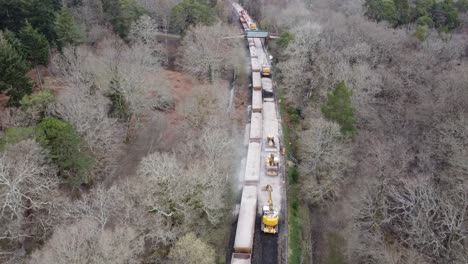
column 462, row 5
column 14, row 135
column 13, row 69
column 293, row 175
column 422, row 32
column 122, row 13
column 13, row 40
column 68, row 33
column 66, row 149
column 285, row 39
column 40, row 13
column 443, row 15
column 36, row 104
column 338, row 108
column 34, row 45
column 381, row 10
column 190, row 13
column 425, row 21
column 118, row 107
column 403, row 11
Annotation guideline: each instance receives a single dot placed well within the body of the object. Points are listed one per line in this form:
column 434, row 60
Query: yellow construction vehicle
column 270, row 217
column 272, row 165
column 266, row 71
column 253, row 26
column 271, row 141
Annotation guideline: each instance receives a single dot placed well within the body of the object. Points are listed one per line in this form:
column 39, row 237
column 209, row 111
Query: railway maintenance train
column 262, row 184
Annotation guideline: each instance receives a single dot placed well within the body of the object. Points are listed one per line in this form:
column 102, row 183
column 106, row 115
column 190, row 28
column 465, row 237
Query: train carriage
column 243, row 242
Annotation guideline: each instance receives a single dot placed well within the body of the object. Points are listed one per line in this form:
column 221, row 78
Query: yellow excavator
column 272, row 165
column 270, row 217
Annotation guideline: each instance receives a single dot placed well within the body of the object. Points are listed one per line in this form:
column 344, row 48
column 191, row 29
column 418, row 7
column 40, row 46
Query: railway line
column 261, row 230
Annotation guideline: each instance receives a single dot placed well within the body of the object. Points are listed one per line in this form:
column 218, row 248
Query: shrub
column 14, row 135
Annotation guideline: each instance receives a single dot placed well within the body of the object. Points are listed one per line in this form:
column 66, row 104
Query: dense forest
column 118, row 143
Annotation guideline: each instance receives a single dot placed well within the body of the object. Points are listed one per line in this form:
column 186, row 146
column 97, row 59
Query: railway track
column 251, row 244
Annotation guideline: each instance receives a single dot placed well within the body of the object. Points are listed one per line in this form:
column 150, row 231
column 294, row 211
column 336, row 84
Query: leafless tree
column 101, row 205
column 84, row 242
column 83, row 103
column 191, row 250
column 324, row 159
column 144, row 30
column 207, row 54
column 28, row 186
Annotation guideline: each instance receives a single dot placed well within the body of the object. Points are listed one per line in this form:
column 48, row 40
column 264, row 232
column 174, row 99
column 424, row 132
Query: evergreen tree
column 13, row 40
column 35, row 46
column 68, row 33
column 338, row 108
column 424, row 7
column 191, row 13
column 381, row 10
column 13, row 69
column 65, row 149
column 122, row 14
column 445, row 15
column 402, row 8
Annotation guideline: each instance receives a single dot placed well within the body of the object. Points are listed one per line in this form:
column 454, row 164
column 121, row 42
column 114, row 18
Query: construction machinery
column 253, row 26
column 271, row 141
column 266, row 70
column 272, row 165
column 270, row 217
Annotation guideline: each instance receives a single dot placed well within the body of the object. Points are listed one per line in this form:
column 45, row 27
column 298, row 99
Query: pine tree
column 338, row 108
column 68, row 33
column 13, row 69
column 35, row 46
column 402, row 8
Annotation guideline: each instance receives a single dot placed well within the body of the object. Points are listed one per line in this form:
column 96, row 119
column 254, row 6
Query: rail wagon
column 253, row 52
column 256, row 81
column 255, row 65
column 253, row 163
column 243, row 242
column 256, row 132
column 270, row 124
column 267, row 85
column 241, row 258
column 257, row 102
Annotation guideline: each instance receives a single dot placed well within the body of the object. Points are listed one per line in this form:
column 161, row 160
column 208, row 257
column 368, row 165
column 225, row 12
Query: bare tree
column 84, row 242
column 207, row 54
column 324, row 159
column 101, row 205
column 82, row 102
column 28, row 186
column 191, row 250
column 145, row 31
